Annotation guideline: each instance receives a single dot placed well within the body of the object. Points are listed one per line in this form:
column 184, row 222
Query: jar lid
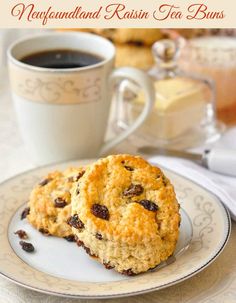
column 166, row 53
column 167, row 50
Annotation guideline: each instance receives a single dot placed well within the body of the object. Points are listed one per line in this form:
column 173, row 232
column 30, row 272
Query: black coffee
column 61, row 58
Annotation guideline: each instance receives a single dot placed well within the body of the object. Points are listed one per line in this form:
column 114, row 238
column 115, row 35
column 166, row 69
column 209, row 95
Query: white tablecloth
column 216, row 284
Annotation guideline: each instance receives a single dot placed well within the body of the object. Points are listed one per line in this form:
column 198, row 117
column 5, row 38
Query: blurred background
column 210, row 52
column 194, row 72
column 214, row 58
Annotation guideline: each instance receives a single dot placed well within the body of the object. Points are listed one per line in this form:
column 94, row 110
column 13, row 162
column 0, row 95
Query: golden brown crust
column 130, row 35
column 139, row 215
column 133, row 55
column 50, row 202
column 133, row 45
column 145, row 36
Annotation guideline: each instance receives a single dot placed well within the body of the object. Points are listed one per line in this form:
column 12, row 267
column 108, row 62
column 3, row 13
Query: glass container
column 183, row 114
column 215, row 57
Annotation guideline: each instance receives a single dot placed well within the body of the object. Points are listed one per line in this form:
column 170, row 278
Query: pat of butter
column 179, row 106
column 176, row 94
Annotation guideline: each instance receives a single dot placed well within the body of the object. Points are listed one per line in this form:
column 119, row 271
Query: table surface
column 217, row 283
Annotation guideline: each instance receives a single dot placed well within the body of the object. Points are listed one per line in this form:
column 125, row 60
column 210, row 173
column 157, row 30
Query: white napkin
column 222, row 186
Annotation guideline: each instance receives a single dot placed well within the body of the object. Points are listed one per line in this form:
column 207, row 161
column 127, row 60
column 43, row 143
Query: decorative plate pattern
column 209, row 218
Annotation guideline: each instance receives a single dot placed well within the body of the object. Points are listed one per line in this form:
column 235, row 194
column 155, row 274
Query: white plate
column 57, row 257
column 61, row 268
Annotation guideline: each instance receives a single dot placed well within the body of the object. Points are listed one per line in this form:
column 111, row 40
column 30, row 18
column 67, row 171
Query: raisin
column 108, row 266
column 70, row 238
column 128, row 272
column 149, row 205
column 133, row 190
column 77, row 191
column 100, row 211
column 21, row 234
column 75, row 222
column 80, row 243
column 25, row 213
column 88, row 251
column 76, row 178
column 28, row 247
column 98, row 236
column 45, row 182
column 60, row 202
column 165, row 181
column 129, row 168
column 44, row 231
column 137, row 43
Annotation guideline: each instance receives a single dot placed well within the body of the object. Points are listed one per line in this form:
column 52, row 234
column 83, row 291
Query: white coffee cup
column 63, row 113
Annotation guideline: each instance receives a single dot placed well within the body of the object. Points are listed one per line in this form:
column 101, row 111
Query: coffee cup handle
column 145, row 83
